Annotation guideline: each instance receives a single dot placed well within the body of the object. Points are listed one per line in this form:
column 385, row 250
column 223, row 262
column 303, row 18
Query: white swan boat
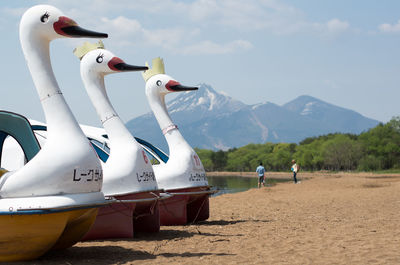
column 145, row 207
column 53, row 199
column 128, row 174
column 182, row 174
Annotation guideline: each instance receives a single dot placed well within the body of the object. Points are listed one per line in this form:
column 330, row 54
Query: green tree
column 377, row 148
column 282, row 156
column 383, row 144
column 341, row 153
column 219, row 160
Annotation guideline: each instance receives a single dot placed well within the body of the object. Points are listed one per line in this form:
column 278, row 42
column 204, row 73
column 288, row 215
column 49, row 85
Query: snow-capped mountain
column 205, row 102
column 206, row 98
column 213, row 120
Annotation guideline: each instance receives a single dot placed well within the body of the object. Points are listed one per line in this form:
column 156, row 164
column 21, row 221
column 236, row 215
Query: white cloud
column 330, row 29
column 209, row 47
column 202, row 26
column 203, row 9
column 166, row 38
column 123, row 25
column 251, row 15
column 129, row 32
column 107, row 7
column 261, row 15
column 390, row 28
column 336, row 26
column 246, row 16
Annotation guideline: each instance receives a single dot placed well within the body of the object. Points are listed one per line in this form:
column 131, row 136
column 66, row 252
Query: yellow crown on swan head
column 86, row 47
column 158, row 68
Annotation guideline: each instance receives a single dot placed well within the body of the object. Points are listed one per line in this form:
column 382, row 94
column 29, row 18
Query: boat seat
column 18, row 127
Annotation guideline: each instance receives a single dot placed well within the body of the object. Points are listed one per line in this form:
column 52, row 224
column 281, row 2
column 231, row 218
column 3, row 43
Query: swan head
column 157, row 82
column 103, row 62
column 48, row 23
column 164, row 84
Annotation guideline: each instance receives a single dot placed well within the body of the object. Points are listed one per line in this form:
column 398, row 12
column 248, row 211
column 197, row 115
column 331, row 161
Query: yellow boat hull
column 78, row 224
column 28, row 236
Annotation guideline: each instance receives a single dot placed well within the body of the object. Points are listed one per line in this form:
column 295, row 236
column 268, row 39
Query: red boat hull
column 185, row 208
column 124, row 219
column 146, row 218
column 198, row 208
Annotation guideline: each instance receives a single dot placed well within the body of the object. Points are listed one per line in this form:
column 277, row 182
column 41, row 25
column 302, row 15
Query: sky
column 345, row 52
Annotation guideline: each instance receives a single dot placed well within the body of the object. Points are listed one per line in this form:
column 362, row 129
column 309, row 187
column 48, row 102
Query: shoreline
column 273, row 175
column 301, row 174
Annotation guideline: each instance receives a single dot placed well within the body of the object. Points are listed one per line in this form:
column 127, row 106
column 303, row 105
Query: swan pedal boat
column 51, row 201
column 176, row 206
column 124, row 214
column 128, row 174
column 137, row 210
column 181, row 173
column 33, row 225
column 129, row 213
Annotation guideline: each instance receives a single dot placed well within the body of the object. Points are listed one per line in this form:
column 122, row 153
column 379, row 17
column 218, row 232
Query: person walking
column 260, row 171
column 295, row 168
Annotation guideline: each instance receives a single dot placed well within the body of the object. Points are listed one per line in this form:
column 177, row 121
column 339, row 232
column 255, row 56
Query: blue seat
column 18, row 127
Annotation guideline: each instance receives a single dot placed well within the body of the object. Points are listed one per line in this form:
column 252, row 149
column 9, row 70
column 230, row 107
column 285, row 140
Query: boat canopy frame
column 103, row 155
column 19, row 128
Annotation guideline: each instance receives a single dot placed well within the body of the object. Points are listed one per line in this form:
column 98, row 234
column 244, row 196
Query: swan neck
column 37, row 56
column 159, row 108
column 114, row 126
column 170, row 130
column 57, row 113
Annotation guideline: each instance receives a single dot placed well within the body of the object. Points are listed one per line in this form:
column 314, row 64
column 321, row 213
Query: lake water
column 232, row 184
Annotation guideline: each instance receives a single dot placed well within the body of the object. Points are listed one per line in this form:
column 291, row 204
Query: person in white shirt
column 294, row 169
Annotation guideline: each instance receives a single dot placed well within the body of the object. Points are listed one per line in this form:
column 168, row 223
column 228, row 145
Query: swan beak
column 69, row 28
column 119, row 65
column 175, row 86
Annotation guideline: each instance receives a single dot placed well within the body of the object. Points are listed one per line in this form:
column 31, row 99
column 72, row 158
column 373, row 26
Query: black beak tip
column 78, row 32
column 128, row 67
column 183, row 88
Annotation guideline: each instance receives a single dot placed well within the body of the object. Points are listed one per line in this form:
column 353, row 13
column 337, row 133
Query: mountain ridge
column 214, row 120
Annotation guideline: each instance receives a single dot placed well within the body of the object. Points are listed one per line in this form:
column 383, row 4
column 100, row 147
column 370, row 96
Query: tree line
column 375, row 149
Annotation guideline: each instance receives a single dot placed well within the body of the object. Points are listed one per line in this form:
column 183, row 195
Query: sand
column 326, row 219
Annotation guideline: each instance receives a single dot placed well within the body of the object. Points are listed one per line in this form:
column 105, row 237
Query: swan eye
column 99, row 58
column 45, row 17
column 158, row 82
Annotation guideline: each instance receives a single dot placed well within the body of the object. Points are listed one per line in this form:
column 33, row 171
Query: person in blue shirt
column 260, row 171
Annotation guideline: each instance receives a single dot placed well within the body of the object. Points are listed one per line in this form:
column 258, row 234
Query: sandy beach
column 339, row 218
